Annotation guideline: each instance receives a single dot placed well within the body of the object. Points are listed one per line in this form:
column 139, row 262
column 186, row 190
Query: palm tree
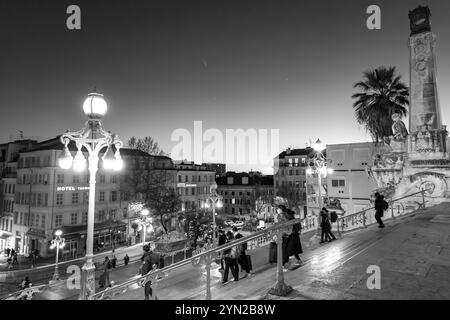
column 383, row 94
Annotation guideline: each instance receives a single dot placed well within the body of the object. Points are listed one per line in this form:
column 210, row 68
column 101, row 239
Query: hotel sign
column 182, row 184
column 71, row 188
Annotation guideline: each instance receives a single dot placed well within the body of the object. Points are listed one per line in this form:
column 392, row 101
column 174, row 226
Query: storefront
column 106, row 235
column 37, row 241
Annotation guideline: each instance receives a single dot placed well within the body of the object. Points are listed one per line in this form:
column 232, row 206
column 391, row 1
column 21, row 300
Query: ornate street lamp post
column 57, row 243
column 216, row 201
column 144, row 221
column 318, row 165
column 93, row 138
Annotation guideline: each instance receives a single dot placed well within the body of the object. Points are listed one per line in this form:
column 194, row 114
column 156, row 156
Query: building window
column 37, row 220
column 193, row 189
column 338, row 183
column 58, row 220
column 43, row 222
column 102, row 178
column 114, row 179
column 84, row 218
column 74, row 218
column 112, row 214
column 59, row 199
column 186, row 179
column 101, row 215
column 16, row 217
column 102, row 196
column 113, row 196
column 76, row 178
column 60, row 178
column 39, row 199
column 179, row 178
column 21, row 218
column 74, row 197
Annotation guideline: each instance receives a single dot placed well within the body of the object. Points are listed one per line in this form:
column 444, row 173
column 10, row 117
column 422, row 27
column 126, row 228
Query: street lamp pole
column 58, row 242
column 144, row 214
column 216, row 200
column 93, row 138
column 319, row 167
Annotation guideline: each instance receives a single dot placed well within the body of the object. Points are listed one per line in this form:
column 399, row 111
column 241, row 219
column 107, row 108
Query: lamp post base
column 87, row 281
column 281, row 289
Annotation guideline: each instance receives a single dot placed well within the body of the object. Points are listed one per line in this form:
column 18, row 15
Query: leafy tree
column 146, row 144
column 382, row 94
column 165, row 204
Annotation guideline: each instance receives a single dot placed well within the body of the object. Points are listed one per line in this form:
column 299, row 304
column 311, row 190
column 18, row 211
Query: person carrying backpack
column 380, row 206
column 325, row 225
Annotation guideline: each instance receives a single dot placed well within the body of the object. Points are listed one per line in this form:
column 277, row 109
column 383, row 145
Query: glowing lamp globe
column 319, row 146
column 330, row 171
column 219, row 204
column 206, row 205
column 109, row 159
column 309, row 171
column 58, row 233
column 118, row 162
column 65, row 159
column 145, row 212
column 79, row 162
column 95, row 106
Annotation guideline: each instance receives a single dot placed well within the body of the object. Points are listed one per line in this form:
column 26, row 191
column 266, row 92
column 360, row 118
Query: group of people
column 11, row 256
column 325, row 225
column 233, row 257
column 291, row 244
column 150, row 261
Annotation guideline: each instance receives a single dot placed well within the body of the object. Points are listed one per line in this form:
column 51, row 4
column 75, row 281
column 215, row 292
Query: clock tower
column 428, row 135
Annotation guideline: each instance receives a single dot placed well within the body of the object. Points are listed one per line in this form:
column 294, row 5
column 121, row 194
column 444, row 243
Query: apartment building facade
column 290, row 181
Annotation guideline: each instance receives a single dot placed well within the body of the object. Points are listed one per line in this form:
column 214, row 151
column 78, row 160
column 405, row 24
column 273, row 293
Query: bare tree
column 146, row 144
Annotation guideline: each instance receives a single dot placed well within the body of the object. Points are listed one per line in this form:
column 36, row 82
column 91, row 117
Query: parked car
column 259, row 228
column 238, row 224
column 228, row 222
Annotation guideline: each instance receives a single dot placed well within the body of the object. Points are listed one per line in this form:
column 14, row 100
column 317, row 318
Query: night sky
column 233, row 64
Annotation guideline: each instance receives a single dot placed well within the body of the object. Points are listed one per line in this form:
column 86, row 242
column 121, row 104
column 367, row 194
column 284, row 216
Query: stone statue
column 419, row 20
column 398, row 128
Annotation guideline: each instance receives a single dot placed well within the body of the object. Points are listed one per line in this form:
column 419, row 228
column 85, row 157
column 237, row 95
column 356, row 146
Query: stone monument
column 420, row 159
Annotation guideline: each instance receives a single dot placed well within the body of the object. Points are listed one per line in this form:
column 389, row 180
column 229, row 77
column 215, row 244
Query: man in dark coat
column 325, row 225
column 150, row 262
column 380, row 206
column 242, row 259
column 292, row 245
column 221, row 242
column 230, row 261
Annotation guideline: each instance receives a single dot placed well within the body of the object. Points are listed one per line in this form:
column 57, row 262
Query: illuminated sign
column 71, row 188
column 182, row 184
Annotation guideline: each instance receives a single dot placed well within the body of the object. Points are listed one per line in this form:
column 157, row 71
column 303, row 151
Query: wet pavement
column 412, row 253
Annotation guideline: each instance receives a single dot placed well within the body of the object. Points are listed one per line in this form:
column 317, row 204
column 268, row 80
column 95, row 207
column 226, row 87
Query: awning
column 100, row 226
column 36, row 233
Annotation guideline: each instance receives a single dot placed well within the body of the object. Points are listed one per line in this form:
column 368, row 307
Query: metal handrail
column 390, row 201
column 362, row 212
column 206, row 253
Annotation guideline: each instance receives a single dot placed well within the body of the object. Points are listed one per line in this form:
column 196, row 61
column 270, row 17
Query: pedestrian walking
column 114, row 261
column 230, row 257
column 126, row 259
column 380, row 206
column 325, row 225
column 221, row 242
column 14, row 258
column 243, row 260
column 8, row 252
column 106, row 267
column 292, row 245
column 150, row 262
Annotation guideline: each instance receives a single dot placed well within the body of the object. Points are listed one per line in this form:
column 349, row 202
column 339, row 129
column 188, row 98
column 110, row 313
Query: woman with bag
column 292, row 244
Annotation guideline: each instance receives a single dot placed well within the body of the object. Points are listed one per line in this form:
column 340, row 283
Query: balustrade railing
column 207, row 255
column 366, row 217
